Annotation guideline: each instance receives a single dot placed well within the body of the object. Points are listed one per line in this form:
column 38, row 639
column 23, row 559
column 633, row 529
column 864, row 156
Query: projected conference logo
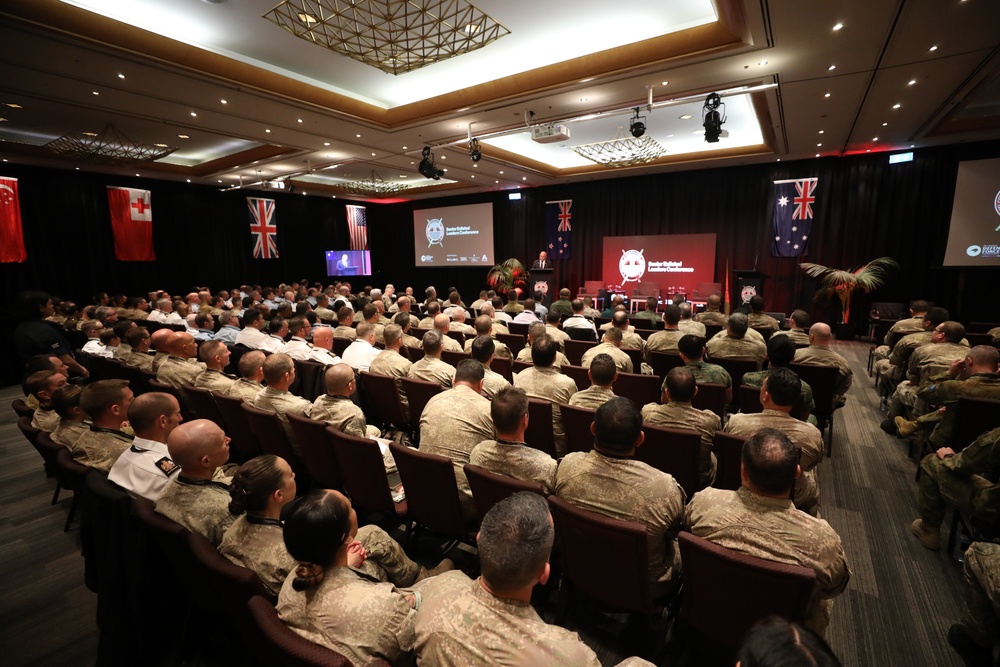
column 632, row 265
column 434, row 232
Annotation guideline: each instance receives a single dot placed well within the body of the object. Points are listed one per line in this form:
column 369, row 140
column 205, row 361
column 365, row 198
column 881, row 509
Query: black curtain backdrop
column 865, row 208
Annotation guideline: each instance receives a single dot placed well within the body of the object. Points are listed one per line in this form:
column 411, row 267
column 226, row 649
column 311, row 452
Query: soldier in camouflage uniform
column 72, row 420
column 336, row 408
column 44, row 384
column 403, row 321
column 975, row 637
column 508, row 455
column 552, row 328
column 676, row 412
column 957, row 479
column 391, row 363
column 686, row 324
column 180, row 368
column 544, row 382
column 279, row 372
column 893, row 364
column 602, row 374
column 759, row 520
column 912, row 324
column 798, row 333
column 106, row 402
column 484, row 327
column 781, row 390
column 249, row 386
column 780, row 352
column 198, row 496
column 483, row 351
column 430, row 368
column 630, row 339
column 737, row 342
column 757, row 319
column 138, row 356
column 535, row 330
column 819, row 354
column 215, row 356
column 455, row 421
column 491, row 621
column 692, row 349
column 608, row 480
column 666, row 340
column 345, row 317
column 711, row 314
column 649, row 312
column 611, row 345
column 158, row 342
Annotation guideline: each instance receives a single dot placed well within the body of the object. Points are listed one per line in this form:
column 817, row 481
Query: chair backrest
column 711, row 330
column 318, row 456
column 645, row 289
column 341, row 344
column 729, row 456
column 137, row 380
column 169, row 538
column 382, row 398
column 513, row 341
column 764, row 331
column 453, row 358
column 457, row 336
column 504, row 367
column 592, row 287
column 272, row 437
column 736, row 368
column 310, row 376
column 418, row 392
column 750, row 399
column 202, row 402
column 48, row 449
column 413, row 354
column 489, row 488
column 519, row 328
column 822, row 380
column 29, row 431
column 579, row 375
column 576, row 424
column 244, row 440
column 431, row 490
column 586, row 538
column 726, row 592
column 662, row 362
column 711, row 396
column 363, row 471
column 973, row 417
column 675, row 451
column 279, row 644
column 71, row 475
column 539, row 433
column 642, row 389
column 580, row 335
column 103, row 368
column 576, row 347
column 21, row 408
column 635, row 356
column 518, row 366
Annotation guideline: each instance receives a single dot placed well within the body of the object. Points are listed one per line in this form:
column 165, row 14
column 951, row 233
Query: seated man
column 512, row 307
column 251, row 374
column 158, row 341
column 43, row 384
column 687, row 325
column 443, row 326
column 405, row 322
column 692, row 350
column 390, row 362
column 711, row 314
column 138, row 340
column 360, row 353
column 345, row 318
column 958, row 479
column 145, row 468
column 780, row 352
column 893, row 365
column 630, row 339
column 588, row 308
column 553, row 329
column 602, row 374
column 798, row 333
column 508, row 454
column 215, row 355
column 279, row 373
column 609, row 481
column 229, row 329
column 912, row 324
column 206, row 325
column 297, row 347
column 93, row 330
column 484, row 327
column 455, row 421
column 780, row 391
column 483, row 349
column 321, row 350
column 578, row 321
column 757, row 319
column 975, row 637
column 430, row 368
column 432, row 311
column 819, row 354
column 534, row 332
column 198, row 495
column 106, row 402
column 497, row 324
column 528, row 315
column 490, row 621
column 121, row 329
column 458, row 317
column 676, row 412
column 735, row 342
column 649, row 312
column 336, row 408
column 610, row 345
column 759, row 520
column 180, row 368
column 666, row 340
column 564, row 304
column 544, row 382
column 72, row 419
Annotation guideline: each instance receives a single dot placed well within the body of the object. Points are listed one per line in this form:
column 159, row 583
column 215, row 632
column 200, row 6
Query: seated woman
column 261, row 487
column 327, row 601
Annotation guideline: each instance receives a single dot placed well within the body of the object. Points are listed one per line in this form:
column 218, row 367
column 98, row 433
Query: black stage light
column 427, row 167
column 637, row 127
column 474, row 152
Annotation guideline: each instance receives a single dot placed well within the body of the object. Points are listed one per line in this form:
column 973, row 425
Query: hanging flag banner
column 559, row 228
column 263, row 228
column 357, row 227
column 11, row 232
column 132, row 224
column 793, row 215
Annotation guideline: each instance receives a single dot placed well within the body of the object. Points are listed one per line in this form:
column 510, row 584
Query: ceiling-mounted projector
column 549, row 134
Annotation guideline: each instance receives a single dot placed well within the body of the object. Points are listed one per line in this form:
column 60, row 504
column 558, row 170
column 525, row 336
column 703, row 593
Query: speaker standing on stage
column 542, row 262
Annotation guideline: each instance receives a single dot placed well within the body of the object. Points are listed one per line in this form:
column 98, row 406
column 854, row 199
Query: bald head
column 441, row 322
column 159, row 339
column 182, row 344
column 458, row 314
column 323, row 337
column 338, row 380
column 198, row 447
column 154, row 415
column 820, row 334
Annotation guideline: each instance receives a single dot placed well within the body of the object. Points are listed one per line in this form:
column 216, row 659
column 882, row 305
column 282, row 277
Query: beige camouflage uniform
column 958, row 480
column 248, row 390
column 772, row 529
column 894, row 365
column 432, row 369
column 259, row 547
column 819, row 355
column 982, row 585
column 946, row 392
column 392, row 364
column 803, row 407
column 713, row 317
column 347, row 332
column 663, row 341
column 99, row 448
column 558, row 335
column 762, row 321
column 909, row 325
column 342, row 414
column 517, row 460
column 806, row 438
column 688, row 327
column 281, row 402
column 797, row 336
column 139, row 360
column 592, row 397
column 500, row 348
column 525, row 355
column 677, row 414
column 928, row 360
column 725, row 346
column 214, row 380
column 68, row 432
column 201, row 506
column 177, row 372
column 45, row 419
column 493, row 382
column 548, row 384
column 622, row 361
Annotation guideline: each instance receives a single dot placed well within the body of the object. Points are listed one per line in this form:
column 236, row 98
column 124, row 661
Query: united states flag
column 793, row 215
column 263, row 228
column 357, row 227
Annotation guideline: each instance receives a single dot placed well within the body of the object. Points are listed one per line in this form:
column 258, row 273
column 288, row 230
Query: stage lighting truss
column 622, row 151
column 110, row 146
column 395, row 36
column 372, row 186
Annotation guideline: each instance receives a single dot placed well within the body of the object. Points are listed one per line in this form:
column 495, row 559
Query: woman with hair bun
column 260, row 488
column 327, row 600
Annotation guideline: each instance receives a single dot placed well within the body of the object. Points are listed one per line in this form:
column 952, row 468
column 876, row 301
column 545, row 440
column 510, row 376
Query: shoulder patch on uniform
column 167, row 467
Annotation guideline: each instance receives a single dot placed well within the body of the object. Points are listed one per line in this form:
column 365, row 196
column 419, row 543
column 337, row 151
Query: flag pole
column 726, row 294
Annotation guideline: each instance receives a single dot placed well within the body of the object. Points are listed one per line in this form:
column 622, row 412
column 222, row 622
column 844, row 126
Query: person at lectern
column 343, row 263
column 542, row 262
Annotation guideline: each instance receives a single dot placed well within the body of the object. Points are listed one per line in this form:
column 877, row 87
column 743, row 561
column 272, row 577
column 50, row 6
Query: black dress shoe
column 888, row 426
column 972, row 653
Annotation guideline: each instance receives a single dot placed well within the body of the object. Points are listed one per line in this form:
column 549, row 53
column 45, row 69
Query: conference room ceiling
column 896, row 74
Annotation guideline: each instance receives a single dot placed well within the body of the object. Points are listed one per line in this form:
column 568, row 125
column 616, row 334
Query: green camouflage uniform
column 982, row 585
column 957, row 480
column 762, row 321
column 706, row 373
column 803, row 407
column 946, row 392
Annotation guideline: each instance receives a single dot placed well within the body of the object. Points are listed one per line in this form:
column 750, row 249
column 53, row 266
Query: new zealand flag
column 793, row 216
column 558, row 228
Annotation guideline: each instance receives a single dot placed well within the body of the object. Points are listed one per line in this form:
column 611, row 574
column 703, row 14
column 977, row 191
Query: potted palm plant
column 844, row 282
column 509, row 274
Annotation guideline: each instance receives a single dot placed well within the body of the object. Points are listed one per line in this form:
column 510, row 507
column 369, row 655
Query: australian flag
column 793, row 215
column 558, row 228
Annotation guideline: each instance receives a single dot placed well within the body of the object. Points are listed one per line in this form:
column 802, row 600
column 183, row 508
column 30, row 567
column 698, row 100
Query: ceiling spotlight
column 636, row 126
column 474, row 152
column 427, row 167
column 712, row 119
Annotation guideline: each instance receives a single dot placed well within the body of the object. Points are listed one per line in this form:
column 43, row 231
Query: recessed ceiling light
column 818, row 145
column 138, row 174
column 267, row 130
column 160, row 145
column 373, row 154
column 334, row 196
column 761, row 63
column 496, row 181
column 501, row 172
column 817, row 154
column 686, row 116
column 524, row 178
column 933, row 48
column 444, row 157
column 896, row 106
column 779, row 159
column 299, row 119
column 868, row 150
column 444, row 170
column 838, row 26
column 473, row 175
column 827, row 95
column 358, row 136
column 404, row 148
column 220, row 181
column 5, row 159
column 912, row 145
column 12, row 105
column 96, row 93
column 822, row 131
column 326, row 143
column 307, row 18
column 884, row 124
column 223, row 102
column 402, row 175
column 90, row 134
column 77, row 168
column 194, row 115
column 911, row 82
column 189, row 180
column 3, row 120
column 475, row 166
column 121, row 76
column 183, row 136
column 664, row 83
column 874, row 138
column 831, row 68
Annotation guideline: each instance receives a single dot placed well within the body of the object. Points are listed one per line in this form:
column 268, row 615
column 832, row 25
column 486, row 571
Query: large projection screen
column 453, row 236
column 681, row 261
column 974, row 235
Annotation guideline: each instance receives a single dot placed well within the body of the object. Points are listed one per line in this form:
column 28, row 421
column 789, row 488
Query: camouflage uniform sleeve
column 938, row 393
column 979, row 457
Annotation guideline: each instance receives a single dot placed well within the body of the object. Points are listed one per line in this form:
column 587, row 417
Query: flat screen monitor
column 348, row 263
column 974, row 234
column 453, row 236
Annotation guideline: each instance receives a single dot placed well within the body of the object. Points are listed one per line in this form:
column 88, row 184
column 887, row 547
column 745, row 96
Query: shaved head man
column 145, row 468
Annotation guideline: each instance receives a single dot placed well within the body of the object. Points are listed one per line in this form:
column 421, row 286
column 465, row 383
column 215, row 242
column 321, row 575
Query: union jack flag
column 358, row 227
column 263, row 228
column 559, row 228
column 793, row 215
